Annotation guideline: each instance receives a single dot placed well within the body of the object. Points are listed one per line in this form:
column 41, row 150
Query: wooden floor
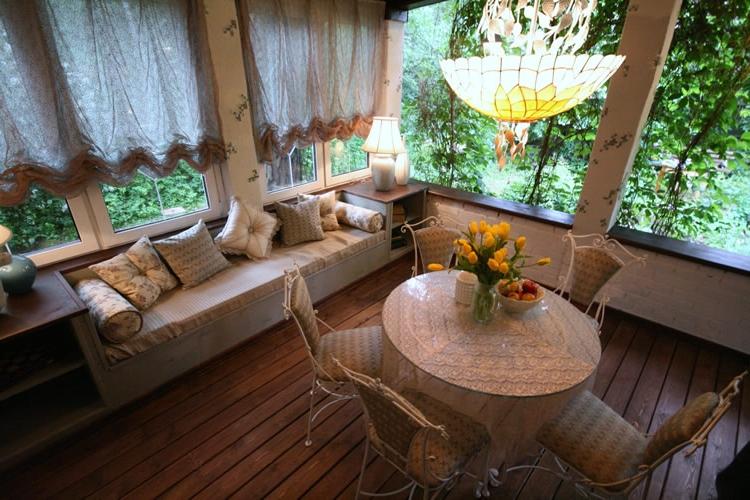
column 235, row 427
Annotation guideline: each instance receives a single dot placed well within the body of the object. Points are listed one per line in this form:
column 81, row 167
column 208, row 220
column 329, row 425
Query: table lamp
column 384, row 142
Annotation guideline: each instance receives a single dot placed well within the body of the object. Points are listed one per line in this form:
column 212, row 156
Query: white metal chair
column 609, row 457
column 360, row 348
column 594, row 260
column 432, row 242
column 430, row 443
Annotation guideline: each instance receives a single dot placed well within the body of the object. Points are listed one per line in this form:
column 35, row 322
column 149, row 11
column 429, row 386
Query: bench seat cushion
column 180, row 311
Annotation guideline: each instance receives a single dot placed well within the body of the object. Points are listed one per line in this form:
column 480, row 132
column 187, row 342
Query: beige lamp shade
column 385, row 137
column 5, row 235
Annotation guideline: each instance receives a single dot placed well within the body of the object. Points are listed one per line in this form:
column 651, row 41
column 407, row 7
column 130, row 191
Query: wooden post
column 646, row 37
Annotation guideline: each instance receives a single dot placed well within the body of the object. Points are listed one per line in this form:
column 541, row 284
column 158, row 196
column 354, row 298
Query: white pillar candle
column 465, row 283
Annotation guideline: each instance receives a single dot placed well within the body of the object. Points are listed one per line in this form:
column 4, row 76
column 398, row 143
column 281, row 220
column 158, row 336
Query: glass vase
column 484, row 303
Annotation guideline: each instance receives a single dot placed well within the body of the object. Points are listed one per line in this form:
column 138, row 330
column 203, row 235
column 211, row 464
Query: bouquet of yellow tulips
column 484, row 252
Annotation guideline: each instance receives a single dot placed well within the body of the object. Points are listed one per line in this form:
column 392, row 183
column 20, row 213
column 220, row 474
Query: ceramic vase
column 402, row 169
column 18, row 276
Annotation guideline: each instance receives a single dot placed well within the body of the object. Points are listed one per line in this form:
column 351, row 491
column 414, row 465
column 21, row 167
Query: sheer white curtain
column 314, row 68
column 97, row 89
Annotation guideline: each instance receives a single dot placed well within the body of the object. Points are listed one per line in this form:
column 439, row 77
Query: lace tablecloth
column 511, row 374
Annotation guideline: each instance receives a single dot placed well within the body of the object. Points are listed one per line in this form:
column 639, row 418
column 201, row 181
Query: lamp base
column 383, row 172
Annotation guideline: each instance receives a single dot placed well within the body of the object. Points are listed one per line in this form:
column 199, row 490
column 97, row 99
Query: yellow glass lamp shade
column 527, row 88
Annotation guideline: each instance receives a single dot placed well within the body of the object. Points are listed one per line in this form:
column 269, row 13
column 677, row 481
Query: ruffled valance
column 93, row 91
column 314, row 68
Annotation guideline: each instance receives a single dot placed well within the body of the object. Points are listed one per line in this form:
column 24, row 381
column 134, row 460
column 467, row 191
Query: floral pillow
column 145, row 258
column 122, row 275
column 115, row 318
column 328, row 220
column 249, row 231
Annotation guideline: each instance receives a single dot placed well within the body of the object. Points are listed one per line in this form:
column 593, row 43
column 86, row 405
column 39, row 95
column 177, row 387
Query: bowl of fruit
column 519, row 296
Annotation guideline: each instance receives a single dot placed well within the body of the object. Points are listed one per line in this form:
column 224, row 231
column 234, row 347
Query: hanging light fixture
column 529, row 70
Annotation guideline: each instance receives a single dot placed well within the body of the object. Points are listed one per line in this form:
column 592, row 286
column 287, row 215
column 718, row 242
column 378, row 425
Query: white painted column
column 646, row 37
column 389, row 99
column 242, row 173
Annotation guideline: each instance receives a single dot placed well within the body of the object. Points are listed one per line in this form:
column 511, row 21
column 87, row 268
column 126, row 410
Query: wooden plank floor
column 235, row 427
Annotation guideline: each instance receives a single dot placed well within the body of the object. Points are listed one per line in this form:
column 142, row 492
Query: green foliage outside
column 146, row 200
column 698, row 123
column 42, row 221
column 347, row 156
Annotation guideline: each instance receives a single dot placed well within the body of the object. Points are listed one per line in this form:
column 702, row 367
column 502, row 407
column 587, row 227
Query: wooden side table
column 413, row 198
column 46, row 388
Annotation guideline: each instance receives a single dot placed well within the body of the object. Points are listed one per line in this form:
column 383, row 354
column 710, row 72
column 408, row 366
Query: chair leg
column 308, row 441
column 362, row 469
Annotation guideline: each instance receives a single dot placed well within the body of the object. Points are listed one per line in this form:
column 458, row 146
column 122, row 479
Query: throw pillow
column 359, row 217
column 115, row 318
column 248, row 231
column 145, row 258
column 122, row 275
column 328, row 220
column 192, row 255
column 300, row 222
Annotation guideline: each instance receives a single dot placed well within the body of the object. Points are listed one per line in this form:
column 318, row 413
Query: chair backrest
column 594, row 260
column 433, row 243
column 393, row 423
column 297, row 304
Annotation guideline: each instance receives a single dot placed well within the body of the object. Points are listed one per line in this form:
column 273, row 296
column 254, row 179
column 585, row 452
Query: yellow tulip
column 520, row 243
column 462, row 242
column 493, row 264
column 473, row 227
column 472, row 257
column 503, row 230
column 503, row 267
column 543, row 261
column 434, row 266
column 466, row 248
column 501, row 254
column 483, row 227
column 489, row 240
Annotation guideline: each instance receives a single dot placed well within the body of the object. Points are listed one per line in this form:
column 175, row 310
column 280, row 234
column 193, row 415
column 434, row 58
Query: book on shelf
column 399, row 214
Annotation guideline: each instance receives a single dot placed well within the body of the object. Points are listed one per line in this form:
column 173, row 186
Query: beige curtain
column 94, row 90
column 314, row 67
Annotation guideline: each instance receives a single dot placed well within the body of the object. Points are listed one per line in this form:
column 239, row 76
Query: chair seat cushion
column 445, row 456
column 593, row 439
column 360, row 349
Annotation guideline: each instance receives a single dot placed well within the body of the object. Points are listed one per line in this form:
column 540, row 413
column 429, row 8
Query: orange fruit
column 528, row 296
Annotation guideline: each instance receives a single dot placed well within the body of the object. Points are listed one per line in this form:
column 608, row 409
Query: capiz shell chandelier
column 529, row 70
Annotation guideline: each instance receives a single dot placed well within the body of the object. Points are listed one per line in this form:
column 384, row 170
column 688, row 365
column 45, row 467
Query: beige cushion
column 592, row 269
column 192, row 255
column 466, row 438
column 123, row 276
column 436, row 245
column 359, row 217
column 183, row 311
column 681, row 426
column 328, row 220
column 145, row 258
column 249, row 231
column 301, row 305
column 593, row 439
column 360, row 349
column 300, row 222
column 115, row 318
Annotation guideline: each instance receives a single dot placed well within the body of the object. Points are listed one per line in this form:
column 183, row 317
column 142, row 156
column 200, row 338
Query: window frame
column 109, row 237
column 87, row 239
column 332, row 180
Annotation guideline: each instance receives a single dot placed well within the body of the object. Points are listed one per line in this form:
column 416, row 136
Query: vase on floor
column 484, row 303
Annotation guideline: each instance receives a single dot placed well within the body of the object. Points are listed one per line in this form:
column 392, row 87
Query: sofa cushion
column 116, row 319
column 192, row 255
column 359, row 217
column 328, row 220
column 145, row 258
column 249, row 231
column 122, row 275
column 182, row 311
column 300, row 222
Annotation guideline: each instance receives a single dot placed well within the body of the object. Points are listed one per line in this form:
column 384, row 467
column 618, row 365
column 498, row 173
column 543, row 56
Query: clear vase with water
column 484, row 303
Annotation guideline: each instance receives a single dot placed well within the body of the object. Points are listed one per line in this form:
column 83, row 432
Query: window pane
column 147, row 200
column 347, row 156
column 295, row 169
column 41, row 222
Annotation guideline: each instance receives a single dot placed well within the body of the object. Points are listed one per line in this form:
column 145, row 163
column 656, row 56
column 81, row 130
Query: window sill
column 694, row 252
column 538, row 214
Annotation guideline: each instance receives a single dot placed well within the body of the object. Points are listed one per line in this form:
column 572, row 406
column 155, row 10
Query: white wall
column 696, row 299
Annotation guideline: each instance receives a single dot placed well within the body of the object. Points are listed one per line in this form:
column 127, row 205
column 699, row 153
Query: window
column 691, row 176
column 150, row 205
column 315, row 167
column 46, row 228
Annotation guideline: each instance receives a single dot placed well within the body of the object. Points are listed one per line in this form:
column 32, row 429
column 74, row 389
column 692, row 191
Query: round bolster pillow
column 359, row 217
column 116, row 318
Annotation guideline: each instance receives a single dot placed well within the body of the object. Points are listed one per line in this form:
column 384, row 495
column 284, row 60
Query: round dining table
column 511, row 375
